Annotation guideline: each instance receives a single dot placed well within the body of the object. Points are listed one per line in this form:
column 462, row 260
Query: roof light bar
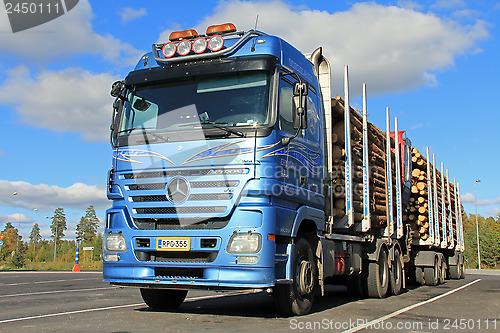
column 176, row 35
column 220, row 29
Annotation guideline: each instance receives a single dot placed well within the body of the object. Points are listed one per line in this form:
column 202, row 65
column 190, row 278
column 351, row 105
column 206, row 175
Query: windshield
column 237, row 100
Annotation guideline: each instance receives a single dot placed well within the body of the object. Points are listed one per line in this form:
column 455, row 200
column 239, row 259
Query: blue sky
column 434, row 63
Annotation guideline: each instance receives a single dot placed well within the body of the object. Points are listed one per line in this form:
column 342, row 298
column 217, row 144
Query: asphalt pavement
column 82, row 302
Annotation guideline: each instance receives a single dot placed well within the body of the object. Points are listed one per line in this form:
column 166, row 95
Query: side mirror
column 141, row 104
column 300, row 91
column 117, row 88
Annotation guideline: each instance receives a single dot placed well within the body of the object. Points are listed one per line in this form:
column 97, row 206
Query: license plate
column 173, row 244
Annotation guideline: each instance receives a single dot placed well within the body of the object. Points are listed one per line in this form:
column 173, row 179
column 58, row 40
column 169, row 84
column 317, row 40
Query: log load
column 417, row 213
column 377, row 161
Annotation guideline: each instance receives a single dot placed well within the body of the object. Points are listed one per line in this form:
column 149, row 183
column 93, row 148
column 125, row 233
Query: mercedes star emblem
column 178, row 190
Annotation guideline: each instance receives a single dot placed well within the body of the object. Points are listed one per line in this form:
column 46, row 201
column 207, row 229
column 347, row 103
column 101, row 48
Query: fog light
column 248, row 260
column 184, row 47
column 215, row 43
column 169, row 49
column 111, row 257
column 199, row 45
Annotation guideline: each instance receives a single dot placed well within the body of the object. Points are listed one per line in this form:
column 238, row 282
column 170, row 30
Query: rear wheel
column 454, row 272
column 419, row 275
column 163, row 299
column 442, row 273
column 431, row 274
column 462, row 268
column 397, row 273
column 378, row 276
column 296, row 299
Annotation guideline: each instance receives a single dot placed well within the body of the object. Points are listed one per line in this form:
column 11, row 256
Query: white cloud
column 449, row 4
column 408, row 4
column 467, row 197
column 417, row 126
column 16, row 218
column 70, row 100
column 128, row 14
column 488, row 202
column 49, row 197
column 69, row 34
column 493, row 212
column 388, row 47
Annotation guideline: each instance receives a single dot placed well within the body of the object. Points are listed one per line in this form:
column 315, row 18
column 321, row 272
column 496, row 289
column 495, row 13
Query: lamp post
column 477, row 227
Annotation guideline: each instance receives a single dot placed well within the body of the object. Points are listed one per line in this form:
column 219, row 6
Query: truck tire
column 378, row 276
column 419, row 275
column 462, row 268
column 454, row 272
column 296, row 299
column 163, row 299
column 442, row 273
column 431, row 274
column 397, row 273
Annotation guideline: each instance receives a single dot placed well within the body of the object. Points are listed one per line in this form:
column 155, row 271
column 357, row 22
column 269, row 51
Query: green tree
column 18, row 259
column 35, row 236
column 86, row 229
column 489, row 241
column 58, row 226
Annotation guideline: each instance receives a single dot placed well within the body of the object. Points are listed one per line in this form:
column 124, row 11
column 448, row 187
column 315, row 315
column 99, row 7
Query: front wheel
column 163, row 299
column 296, row 299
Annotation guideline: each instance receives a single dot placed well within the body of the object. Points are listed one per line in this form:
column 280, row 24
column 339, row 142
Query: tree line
column 56, row 249
column 489, row 241
column 37, row 249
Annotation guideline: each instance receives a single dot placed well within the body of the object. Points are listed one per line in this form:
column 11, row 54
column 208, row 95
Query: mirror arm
column 286, row 140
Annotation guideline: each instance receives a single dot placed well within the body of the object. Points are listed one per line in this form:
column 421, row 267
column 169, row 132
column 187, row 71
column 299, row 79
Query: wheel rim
column 305, row 282
column 437, row 271
column 383, row 272
column 397, row 270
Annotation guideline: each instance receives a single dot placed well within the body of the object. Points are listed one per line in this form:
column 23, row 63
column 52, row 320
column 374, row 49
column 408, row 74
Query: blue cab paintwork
column 264, row 200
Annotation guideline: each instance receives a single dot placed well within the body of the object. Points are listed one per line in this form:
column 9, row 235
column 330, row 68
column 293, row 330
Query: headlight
column 116, row 243
column 244, row 243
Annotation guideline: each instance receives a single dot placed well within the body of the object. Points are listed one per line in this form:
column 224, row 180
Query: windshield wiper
column 228, row 130
column 144, row 130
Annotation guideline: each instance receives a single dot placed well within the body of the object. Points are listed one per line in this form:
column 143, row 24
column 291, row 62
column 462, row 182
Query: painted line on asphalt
column 51, row 281
column 408, row 308
column 56, row 292
column 190, row 299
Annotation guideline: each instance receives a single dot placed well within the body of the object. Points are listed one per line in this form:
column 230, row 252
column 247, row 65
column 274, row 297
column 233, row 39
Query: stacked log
column 377, row 158
column 417, row 213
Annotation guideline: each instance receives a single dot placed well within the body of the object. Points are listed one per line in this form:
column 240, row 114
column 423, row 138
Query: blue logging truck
column 234, row 168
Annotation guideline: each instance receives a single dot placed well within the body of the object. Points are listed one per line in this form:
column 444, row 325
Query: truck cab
column 217, row 165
